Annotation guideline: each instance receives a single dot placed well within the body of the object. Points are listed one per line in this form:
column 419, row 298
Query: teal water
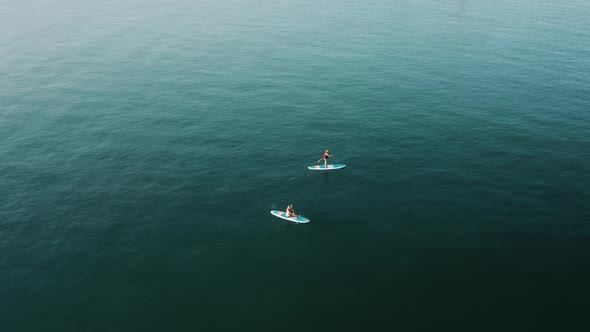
column 143, row 145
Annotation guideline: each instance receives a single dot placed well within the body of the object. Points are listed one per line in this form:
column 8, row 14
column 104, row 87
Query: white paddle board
column 326, row 168
column 283, row 215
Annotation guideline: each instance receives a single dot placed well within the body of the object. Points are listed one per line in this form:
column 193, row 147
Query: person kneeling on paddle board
column 325, row 157
column 290, row 212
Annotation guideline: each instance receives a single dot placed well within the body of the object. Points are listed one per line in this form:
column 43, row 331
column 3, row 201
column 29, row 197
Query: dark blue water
column 143, row 145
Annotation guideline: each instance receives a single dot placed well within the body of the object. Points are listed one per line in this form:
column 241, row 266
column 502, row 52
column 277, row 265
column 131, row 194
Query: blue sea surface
column 144, row 143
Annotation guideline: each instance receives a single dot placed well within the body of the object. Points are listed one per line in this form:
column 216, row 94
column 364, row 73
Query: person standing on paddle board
column 325, row 157
column 290, row 212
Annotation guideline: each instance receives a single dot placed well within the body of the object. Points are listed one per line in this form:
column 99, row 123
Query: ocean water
column 143, row 144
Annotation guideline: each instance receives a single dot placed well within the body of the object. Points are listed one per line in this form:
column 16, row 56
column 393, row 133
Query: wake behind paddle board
column 326, row 168
column 283, row 215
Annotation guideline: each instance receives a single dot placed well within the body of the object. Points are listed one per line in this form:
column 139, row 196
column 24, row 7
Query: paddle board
column 326, row 168
column 283, row 214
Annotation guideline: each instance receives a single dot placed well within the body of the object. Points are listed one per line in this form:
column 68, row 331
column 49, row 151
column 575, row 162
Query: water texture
column 143, row 145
